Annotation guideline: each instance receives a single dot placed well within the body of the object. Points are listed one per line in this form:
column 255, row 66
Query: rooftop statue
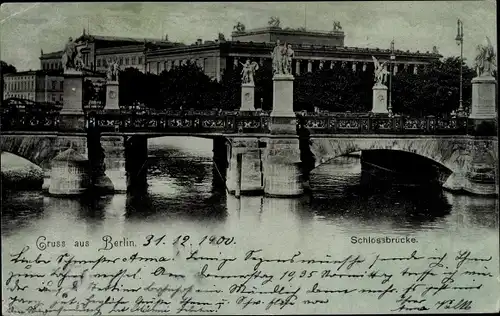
column 485, row 60
column 380, row 72
column 274, row 21
column 337, row 26
column 248, row 72
column 72, row 57
column 239, row 27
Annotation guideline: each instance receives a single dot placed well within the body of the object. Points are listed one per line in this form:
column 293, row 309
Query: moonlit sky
column 28, row 27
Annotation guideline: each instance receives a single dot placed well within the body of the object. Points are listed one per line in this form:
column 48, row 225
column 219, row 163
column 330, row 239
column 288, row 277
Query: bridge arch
column 40, row 149
column 452, row 153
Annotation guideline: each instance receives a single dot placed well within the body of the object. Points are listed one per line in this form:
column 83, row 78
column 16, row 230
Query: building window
column 53, row 85
column 61, row 97
column 98, row 63
column 53, row 98
column 134, row 60
column 62, row 85
column 140, row 60
column 120, row 61
column 126, row 61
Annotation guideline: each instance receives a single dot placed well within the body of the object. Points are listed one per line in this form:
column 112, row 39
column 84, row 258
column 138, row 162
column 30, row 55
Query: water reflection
column 20, row 210
column 155, row 206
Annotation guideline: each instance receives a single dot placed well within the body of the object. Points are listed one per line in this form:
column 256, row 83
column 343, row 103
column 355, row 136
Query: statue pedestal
column 247, row 97
column 379, row 99
column 112, row 91
column 283, row 119
column 483, row 98
column 71, row 115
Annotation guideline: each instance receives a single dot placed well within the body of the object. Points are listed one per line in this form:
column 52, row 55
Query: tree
column 433, row 91
column 230, row 90
column 132, row 85
column 186, row 86
column 5, row 69
column 336, row 90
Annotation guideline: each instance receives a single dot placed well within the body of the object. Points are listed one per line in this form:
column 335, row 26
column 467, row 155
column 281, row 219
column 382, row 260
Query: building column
column 405, row 67
column 332, row 64
column 309, row 66
column 364, row 66
column 261, row 62
column 321, row 64
column 297, row 67
column 235, row 63
column 395, row 69
column 354, row 66
column 415, row 69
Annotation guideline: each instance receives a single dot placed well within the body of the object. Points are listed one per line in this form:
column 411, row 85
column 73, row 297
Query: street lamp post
column 393, row 57
column 460, row 41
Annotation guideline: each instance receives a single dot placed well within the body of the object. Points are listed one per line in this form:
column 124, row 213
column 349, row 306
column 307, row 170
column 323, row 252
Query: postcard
column 249, row 158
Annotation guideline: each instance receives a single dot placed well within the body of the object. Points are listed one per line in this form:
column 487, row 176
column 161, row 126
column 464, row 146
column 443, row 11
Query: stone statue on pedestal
column 113, row 70
column 380, row 72
column 248, row 71
column 485, row 60
column 72, row 57
column 282, row 57
column 276, row 57
column 289, row 55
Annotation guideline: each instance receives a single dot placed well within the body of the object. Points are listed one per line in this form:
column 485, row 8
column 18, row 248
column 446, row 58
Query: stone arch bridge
column 249, row 151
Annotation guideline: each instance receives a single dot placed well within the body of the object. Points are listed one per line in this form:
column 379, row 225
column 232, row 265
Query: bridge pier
column 123, row 164
column 136, row 158
column 282, row 167
column 482, row 172
column 56, row 184
column 220, row 160
column 282, row 171
column 244, row 172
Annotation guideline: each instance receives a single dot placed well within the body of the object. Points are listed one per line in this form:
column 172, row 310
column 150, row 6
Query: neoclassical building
column 35, row 85
column 313, row 50
column 129, row 52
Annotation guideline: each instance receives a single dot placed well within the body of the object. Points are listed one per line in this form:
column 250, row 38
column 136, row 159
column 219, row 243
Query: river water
column 184, row 198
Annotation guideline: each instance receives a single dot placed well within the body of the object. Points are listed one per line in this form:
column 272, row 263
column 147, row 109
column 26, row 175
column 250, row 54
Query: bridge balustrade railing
column 176, row 122
column 13, row 119
column 372, row 124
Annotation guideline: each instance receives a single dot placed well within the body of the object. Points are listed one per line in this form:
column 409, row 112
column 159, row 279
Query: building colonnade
column 299, row 66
